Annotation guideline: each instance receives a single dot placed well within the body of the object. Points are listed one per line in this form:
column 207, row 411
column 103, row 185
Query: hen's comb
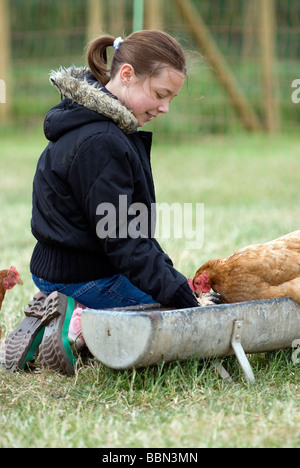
column 205, row 278
column 12, row 268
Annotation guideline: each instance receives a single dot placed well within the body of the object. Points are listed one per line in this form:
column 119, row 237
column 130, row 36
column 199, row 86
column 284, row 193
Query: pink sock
column 75, row 334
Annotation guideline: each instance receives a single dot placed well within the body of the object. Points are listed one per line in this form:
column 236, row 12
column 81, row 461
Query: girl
column 97, row 162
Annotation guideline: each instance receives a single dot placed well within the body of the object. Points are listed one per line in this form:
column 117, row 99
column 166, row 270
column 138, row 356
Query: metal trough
column 146, row 335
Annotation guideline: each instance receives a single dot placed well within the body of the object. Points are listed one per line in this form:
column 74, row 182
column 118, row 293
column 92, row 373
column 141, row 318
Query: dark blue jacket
column 90, row 162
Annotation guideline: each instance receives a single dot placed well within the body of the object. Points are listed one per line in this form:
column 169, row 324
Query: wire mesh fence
column 260, row 51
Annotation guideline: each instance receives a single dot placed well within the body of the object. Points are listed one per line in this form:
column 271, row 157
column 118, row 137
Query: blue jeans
column 105, row 293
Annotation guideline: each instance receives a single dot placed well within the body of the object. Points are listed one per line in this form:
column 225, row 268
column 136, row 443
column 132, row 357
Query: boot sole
column 20, row 346
column 55, row 351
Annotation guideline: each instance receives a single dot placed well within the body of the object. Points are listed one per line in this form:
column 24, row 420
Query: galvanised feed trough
column 146, row 335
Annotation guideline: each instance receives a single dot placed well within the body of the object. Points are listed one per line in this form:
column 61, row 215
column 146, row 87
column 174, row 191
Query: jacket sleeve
column 101, row 174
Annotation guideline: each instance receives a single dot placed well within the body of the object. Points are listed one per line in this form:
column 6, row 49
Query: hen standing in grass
column 260, row 271
column 8, row 279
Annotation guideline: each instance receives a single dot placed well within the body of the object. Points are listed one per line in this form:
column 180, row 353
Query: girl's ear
column 126, row 74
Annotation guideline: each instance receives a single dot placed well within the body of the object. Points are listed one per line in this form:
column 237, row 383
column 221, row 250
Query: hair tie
column 117, row 43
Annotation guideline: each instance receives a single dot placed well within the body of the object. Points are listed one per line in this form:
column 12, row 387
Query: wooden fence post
column 223, row 72
column 95, row 19
column 268, row 55
column 249, row 28
column 153, row 14
column 5, row 76
column 117, row 18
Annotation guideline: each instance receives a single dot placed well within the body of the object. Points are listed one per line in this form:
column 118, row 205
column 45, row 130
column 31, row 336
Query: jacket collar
column 75, row 84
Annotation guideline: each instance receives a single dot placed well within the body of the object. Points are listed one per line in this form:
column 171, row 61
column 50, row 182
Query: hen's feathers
column 259, row 271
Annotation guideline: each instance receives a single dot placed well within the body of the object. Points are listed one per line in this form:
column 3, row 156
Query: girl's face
column 151, row 96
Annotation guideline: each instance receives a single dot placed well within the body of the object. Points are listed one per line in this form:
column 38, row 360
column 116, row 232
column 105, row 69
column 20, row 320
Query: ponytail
column 147, row 51
column 97, row 58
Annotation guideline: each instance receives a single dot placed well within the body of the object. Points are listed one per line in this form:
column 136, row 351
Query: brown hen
column 8, row 279
column 260, row 271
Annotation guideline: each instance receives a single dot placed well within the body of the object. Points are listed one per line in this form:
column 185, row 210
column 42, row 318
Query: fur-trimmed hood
column 80, row 86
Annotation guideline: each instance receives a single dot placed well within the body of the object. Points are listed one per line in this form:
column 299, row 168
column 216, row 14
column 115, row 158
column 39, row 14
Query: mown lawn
column 249, row 185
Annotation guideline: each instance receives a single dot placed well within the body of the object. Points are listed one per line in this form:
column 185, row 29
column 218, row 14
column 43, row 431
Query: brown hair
column 147, row 51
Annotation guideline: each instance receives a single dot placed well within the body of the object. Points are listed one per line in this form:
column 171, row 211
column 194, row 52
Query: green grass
column 250, row 187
